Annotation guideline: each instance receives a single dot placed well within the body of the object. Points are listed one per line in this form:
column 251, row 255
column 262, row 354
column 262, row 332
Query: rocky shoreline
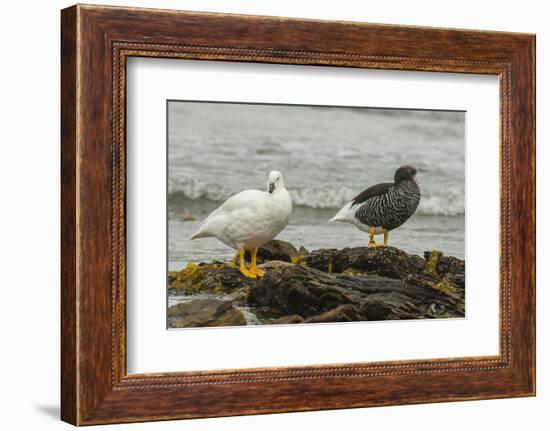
column 321, row 286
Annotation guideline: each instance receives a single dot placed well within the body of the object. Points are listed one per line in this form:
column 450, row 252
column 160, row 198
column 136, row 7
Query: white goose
column 249, row 219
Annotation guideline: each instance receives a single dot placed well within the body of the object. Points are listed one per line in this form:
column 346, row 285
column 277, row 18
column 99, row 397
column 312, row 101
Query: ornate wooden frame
column 95, row 43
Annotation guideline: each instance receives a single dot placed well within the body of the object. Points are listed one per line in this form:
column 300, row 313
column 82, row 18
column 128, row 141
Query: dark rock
column 392, row 307
column 375, row 308
column 343, row 313
column 293, row 318
column 294, row 289
column 351, row 284
column 224, row 279
column 302, row 251
column 204, row 313
column 237, row 297
column 457, row 279
column 277, row 250
column 449, row 266
column 385, row 261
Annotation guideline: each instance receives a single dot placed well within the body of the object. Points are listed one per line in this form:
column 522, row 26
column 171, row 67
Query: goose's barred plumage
column 391, row 208
column 383, row 207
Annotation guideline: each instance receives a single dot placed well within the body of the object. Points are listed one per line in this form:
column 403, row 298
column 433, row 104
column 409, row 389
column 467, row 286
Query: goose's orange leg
column 253, row 268
column 372, row 243
column 244, row 270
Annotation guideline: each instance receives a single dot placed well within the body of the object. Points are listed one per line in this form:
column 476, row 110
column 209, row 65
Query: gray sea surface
column 327, row 156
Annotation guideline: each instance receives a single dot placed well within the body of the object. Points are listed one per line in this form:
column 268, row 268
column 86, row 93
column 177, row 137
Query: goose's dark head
column 404, row 173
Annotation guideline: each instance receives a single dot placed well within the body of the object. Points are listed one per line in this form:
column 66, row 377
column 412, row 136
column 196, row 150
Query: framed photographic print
column 325, row 214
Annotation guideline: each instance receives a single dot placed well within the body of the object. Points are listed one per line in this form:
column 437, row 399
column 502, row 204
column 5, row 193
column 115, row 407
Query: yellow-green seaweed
column 299, row 260
column 188, row 279
column 433, row 260
column 446, row 286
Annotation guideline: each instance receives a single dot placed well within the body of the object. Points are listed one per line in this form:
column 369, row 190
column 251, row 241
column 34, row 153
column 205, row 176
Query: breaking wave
column 446, row 203
column 449, row 202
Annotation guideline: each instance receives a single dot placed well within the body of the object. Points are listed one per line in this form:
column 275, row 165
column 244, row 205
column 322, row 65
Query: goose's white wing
column 245, row 199
column 241, row 205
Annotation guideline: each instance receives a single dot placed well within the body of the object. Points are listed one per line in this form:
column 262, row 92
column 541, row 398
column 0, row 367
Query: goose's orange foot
column 242, row 267
column 246, row 272
column 259, row 272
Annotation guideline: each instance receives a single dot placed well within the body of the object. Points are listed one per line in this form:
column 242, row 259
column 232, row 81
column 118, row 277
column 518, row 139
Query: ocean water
column 327, row 156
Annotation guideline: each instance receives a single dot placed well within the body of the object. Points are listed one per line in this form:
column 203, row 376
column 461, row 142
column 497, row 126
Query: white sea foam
column 449, row 202
column 196, row 189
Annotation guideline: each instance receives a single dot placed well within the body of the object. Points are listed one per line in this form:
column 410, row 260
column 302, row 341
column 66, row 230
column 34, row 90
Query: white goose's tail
column 346, row 214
